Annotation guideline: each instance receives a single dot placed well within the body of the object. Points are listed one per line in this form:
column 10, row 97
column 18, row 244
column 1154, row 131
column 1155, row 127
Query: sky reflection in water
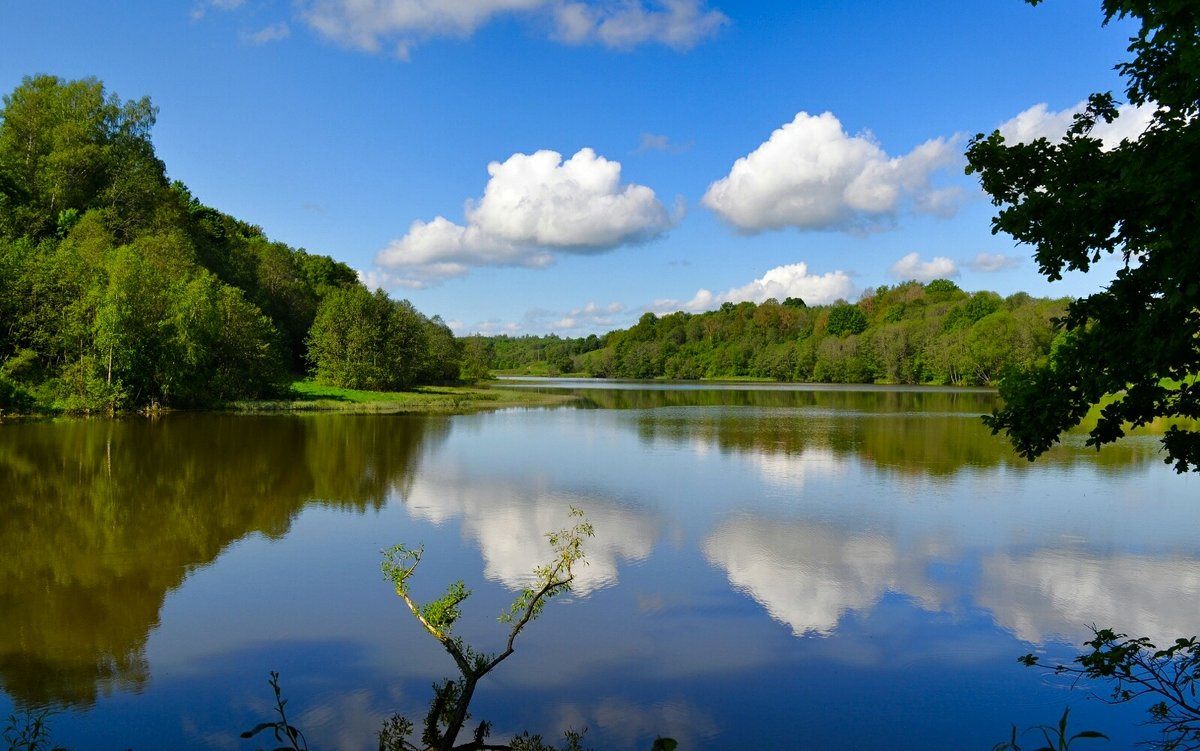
column 772, row 568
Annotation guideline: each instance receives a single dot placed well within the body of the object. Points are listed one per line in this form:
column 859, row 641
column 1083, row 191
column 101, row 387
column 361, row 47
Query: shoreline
column 431, row 400
column 309, row 397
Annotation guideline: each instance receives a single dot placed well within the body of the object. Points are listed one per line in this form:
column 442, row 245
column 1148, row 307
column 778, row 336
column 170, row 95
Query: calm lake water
column 773, row 567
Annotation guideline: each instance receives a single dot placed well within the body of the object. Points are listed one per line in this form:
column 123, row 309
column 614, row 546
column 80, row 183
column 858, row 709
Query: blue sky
column 534, row 166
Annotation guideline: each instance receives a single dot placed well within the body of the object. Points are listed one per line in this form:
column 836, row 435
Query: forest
column 910, row 333
column 120, row 290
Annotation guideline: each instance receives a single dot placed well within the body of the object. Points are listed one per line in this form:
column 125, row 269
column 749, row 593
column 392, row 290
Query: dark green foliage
column 13, row 397
column 939, row 290
column 1075, row 201
column 846, row 319
column 478, row 352
column 1137, row 669
column 442, row 361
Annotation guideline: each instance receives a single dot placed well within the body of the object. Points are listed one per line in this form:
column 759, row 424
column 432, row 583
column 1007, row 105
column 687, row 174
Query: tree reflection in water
column 102, row 519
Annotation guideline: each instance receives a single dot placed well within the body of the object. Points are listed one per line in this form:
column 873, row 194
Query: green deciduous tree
column 1076, row 200
column 940, row 290
column 904, row 334
column 846, row 319
column 1136, row 343
column 443, row 353
column 477, row 355
column 366, row 340
column 71, row 145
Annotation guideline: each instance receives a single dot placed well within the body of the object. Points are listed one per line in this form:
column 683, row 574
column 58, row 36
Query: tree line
column 120, row 290
column 910, row 333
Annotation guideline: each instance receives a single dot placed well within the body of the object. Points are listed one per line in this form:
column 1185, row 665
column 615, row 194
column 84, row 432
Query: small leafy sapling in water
column 281, row 728
column 448, row 714
column 30, row 732
column 1056, row 738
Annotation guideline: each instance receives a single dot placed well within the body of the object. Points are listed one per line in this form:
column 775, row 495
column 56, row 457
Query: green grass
column 309, row 396
column 1157, row 426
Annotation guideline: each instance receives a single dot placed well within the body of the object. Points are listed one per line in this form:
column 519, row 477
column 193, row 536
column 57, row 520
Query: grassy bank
column 309, row 396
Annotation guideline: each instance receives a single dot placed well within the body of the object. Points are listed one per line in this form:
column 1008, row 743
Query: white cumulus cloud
column 538, row 199
column 812, row 175
column 1039, row 121
column 680, row 24
column 375, row 25
column 781, row 282
column 988, row 263
column 912, row 267
column 534, row 205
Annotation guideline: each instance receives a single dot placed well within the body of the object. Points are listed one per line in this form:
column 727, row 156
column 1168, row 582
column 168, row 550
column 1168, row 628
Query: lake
column 773, row 567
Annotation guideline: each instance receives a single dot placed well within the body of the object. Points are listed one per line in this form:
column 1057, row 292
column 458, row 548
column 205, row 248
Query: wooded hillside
column 910, row 333
column 121, row 290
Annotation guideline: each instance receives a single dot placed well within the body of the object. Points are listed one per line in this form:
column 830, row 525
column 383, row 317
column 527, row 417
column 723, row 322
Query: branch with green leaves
column 1136, row 668
column 449, row 710
column 448, row 713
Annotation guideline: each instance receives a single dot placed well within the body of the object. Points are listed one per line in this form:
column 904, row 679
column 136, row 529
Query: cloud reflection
column 808, row 576
column 510, row 525
column 1054, row 595
column 350, row 721
column 630, row 723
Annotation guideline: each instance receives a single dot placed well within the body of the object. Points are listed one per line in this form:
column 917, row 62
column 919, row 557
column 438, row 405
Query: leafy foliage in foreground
column 1057, row 738
column 1137, row 342
column 909, row 333
column 1135, row 668
column 1077, row 200
column 30, row 732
